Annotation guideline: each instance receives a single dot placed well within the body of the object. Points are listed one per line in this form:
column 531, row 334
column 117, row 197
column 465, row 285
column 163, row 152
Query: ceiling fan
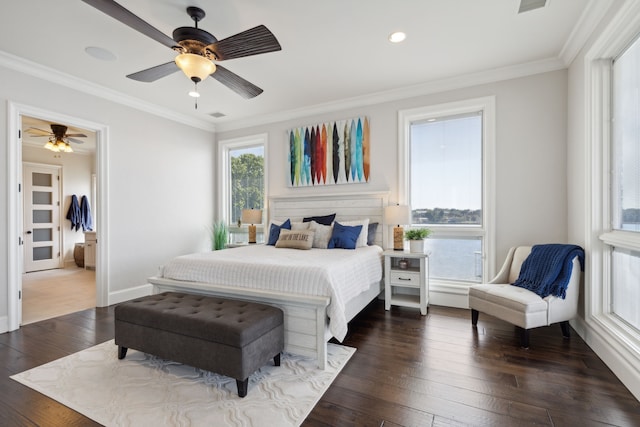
column 198, row 50
column 58, row 138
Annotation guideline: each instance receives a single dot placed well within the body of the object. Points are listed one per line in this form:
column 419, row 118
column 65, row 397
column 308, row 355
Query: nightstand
column 409, row 271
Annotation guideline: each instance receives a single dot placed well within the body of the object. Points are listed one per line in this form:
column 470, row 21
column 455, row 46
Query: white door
column 42, row 233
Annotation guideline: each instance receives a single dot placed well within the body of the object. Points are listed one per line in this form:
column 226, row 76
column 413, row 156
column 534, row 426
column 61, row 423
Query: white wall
column 76, row 179
column 531, row 154
column 160, row 181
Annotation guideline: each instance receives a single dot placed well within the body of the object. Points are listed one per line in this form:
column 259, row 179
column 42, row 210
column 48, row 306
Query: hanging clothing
column 85, row 212
column 74, row 214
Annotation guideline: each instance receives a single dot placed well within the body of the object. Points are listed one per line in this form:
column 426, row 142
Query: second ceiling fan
column 198, row 50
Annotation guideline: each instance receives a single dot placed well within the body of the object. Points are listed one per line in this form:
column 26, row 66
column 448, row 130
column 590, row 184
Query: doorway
column 54, row 280
column 17, row 222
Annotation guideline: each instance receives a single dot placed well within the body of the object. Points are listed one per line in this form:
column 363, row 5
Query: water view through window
column 446, row 193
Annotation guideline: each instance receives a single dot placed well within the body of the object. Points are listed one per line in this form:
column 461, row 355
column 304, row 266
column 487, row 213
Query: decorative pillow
column 371, row 234
column 362, row 238
column 274, row 231
column 324, row 220
column 299, row 225
column 344, row 236
column 301, row 239
column 322, row 234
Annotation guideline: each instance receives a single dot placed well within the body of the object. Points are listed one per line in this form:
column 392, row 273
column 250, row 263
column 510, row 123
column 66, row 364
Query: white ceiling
column 333, row 51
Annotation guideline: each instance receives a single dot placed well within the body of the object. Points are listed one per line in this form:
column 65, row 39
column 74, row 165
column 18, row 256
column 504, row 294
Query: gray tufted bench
column 230, row 337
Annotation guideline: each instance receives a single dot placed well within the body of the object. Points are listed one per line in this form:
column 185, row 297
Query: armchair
column 522, row 307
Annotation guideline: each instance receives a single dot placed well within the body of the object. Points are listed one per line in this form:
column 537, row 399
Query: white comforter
column 340, row 274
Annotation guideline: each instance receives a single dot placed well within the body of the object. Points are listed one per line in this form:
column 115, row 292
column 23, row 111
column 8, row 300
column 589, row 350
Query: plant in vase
column 416, row 237
column 219, row 235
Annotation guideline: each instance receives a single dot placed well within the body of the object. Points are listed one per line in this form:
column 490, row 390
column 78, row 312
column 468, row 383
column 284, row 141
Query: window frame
column 224, row 174
column 601, row 238
column 487, row 230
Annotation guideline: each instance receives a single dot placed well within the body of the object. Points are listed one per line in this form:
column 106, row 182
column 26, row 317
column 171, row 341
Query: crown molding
column 587, row 23
column 435, row 86
column 39, row 71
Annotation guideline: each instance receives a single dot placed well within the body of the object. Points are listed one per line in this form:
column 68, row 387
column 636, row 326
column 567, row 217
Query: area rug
column 143, row 390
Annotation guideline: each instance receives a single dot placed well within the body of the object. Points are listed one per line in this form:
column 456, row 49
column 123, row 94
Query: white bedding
column 340, row 274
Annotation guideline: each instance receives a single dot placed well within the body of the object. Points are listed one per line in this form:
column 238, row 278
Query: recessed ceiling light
column 397, row 37
column 100, row 53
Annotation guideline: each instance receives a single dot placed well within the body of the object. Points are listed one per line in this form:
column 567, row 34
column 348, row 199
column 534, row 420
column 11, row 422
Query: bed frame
column 305, row 317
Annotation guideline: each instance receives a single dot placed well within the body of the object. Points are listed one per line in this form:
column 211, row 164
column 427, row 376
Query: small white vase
column 416, row 246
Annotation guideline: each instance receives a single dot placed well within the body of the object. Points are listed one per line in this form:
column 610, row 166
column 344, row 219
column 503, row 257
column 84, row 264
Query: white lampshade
column 196, row 67
column 397, row 214
column 252, row 216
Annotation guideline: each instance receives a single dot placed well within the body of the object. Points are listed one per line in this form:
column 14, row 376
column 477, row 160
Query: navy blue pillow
column 344, row 236
column 324, row 220
column 274, row 231
column 371, row 235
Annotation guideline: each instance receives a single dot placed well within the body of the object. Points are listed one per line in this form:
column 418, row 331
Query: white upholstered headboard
column 347, row 207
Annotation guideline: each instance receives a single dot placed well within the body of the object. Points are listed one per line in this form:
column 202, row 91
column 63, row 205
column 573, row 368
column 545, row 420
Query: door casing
column 15, row 111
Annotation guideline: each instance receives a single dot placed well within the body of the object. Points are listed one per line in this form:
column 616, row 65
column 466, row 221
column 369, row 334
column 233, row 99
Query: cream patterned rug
column 143, row 390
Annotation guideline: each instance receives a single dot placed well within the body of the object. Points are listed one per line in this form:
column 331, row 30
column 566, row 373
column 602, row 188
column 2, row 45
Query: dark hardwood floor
column 408, row 370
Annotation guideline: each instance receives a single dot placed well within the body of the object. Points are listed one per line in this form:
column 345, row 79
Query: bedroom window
column 242, row 178
column 624, row 291
column 612, row 129
column 446, row 155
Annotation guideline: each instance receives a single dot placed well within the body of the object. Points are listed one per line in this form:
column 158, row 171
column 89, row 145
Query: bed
column 335, row 288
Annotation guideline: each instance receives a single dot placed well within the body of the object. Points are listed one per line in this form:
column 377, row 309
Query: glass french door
column 41, row 236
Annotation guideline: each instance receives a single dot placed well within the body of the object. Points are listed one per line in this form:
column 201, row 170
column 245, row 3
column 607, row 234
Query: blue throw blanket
column 547, row 269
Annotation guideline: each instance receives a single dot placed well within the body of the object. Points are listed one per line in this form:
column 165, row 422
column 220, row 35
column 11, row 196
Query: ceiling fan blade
column 119, row 13
column 77, row 135
column 236, row 83
column 154, row 73
column 76, row 141
column 254, row 41
column 38, row 132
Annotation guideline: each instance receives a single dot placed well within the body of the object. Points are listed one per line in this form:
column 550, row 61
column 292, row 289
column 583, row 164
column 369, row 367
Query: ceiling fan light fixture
column 49, row 145
column 194, row 66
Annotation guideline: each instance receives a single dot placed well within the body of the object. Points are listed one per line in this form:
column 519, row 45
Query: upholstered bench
column 230, row 337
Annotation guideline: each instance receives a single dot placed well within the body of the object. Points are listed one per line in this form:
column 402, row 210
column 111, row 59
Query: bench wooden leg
column 276, row 359
column 122, row 352
column 566, row 332
column 524, row 338
column 474, row 317
column 243, row 385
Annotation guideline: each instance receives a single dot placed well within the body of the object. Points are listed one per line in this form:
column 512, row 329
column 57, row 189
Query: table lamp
column 398, row 215
column 252, row 217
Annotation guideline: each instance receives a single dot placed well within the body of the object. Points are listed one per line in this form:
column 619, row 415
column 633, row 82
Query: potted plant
column 416, row 237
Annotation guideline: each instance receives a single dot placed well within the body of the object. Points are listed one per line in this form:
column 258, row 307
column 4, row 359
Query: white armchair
column 520, row 306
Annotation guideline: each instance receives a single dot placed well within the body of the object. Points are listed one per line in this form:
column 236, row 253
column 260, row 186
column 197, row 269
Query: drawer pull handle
column 402, row 278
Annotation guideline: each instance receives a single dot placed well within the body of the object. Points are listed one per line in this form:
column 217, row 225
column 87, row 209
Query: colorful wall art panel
column 329, row 153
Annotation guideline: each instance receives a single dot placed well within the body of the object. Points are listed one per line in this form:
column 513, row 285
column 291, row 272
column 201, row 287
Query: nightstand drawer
column 405, row 278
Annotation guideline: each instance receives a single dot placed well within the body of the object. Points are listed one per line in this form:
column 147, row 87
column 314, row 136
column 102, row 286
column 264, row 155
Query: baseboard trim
column 611, row 354
column 129, row 294
column 4, row 324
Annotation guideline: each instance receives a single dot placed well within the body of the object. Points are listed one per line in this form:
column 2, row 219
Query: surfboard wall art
column 329, row 153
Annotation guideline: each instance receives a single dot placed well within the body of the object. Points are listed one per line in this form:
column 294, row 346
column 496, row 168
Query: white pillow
column 362, row 238
column 299, row 226
column 322, row 234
